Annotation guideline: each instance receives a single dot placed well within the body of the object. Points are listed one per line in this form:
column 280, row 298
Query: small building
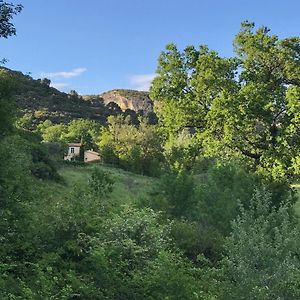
column 91, row 156
column 73, row 152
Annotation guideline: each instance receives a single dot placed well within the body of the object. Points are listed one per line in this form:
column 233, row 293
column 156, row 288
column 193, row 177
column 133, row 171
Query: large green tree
column 187, row 84
column 245, row 106
column 261, row 119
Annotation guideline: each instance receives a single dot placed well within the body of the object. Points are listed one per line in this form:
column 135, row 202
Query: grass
column 128, row 187
column 54, row 199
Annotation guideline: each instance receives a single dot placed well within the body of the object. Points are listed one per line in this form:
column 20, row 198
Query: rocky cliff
column 129, row 99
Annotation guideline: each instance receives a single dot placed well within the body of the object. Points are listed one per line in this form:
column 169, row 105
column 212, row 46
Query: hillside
column 128, row 187
column 38, row 99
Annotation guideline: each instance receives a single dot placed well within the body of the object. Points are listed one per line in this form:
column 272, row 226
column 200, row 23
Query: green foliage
column 14, row 172
column 25, row 122
column 134, row 237
column 7, row 12
column 79, row 130
column 169, row 277
column 245, row 106
column 137, row 149
column 132, row 259
column 185, row 235
column 52, row 133
column 7, row 106
column 177, row 192
column 183, row 152
column 54, row 150
column 262, row 260
column 84, row 131
column 170, row 87
column 219, row 195
column 42, row 164
column 100, row 183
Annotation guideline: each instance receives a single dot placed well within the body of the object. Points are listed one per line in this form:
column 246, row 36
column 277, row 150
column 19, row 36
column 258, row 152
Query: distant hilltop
column 37, row 98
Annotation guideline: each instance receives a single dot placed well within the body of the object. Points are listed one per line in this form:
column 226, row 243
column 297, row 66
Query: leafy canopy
column 245, row 106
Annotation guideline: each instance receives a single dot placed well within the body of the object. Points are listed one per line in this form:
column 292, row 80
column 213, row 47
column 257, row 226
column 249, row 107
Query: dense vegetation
column 214, row 217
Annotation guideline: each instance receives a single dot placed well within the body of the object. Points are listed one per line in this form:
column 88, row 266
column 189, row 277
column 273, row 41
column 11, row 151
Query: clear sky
column 96, row 45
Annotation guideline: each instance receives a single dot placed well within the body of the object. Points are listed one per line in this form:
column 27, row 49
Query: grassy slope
column 54, row 199
column 127, row 188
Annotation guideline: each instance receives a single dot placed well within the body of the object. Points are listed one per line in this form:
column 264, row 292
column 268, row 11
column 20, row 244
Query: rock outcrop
column 129, row 99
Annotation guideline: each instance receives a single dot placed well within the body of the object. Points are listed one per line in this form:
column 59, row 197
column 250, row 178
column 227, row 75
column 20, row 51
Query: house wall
column 91, row 156
column 76, row 151
column 70, row 155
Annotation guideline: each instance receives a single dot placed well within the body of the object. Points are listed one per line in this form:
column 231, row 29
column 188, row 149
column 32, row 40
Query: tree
column 262, row 253
column 183, row 151
column 261, row 119
column 175, row 194
column 244, row 106
column 46, row 82
column 73, row 93
column 7, row 11
column 219, row 194
column 84, row 131
column 125, row 244
column 169, row 276
column 170, row 89
column 134, row 148
column 53, row 133
column 7, row 106
column 187, row 84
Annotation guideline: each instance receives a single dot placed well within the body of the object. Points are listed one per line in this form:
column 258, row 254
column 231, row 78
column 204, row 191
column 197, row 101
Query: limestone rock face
column 129, row 99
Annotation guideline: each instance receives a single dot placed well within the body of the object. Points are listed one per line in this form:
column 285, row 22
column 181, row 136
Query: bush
column 262, row 252
column 43, row 166
column 100, row 183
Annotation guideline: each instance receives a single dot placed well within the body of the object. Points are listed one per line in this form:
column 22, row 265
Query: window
column 72, row 150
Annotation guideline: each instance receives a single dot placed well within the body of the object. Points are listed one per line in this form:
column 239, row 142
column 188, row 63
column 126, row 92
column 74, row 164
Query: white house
column 73, row 151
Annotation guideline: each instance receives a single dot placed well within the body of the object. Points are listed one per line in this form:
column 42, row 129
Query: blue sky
column 96, row 45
